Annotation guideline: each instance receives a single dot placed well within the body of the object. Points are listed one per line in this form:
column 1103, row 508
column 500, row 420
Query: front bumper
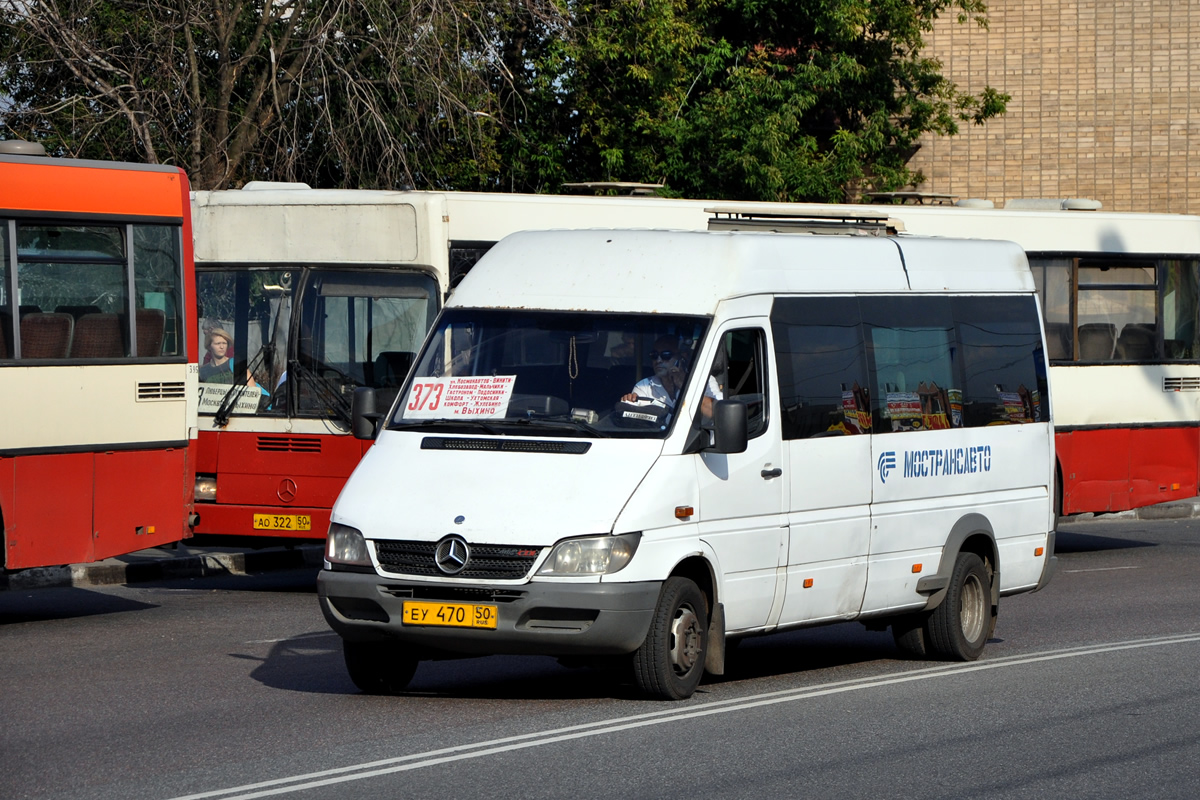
column 555, row 619
column 238, row 520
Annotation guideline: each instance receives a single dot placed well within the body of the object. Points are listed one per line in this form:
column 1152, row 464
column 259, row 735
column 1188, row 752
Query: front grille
column 503, row 445
column 486, row 562
column 453, row 594
column 161, row 390
column 289, row 444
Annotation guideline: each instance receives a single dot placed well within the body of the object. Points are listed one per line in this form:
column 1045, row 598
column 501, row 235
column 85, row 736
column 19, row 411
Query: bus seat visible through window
column 1096, row 341
column 390, row 368
column 77, row 311
column 1136, row 342
column 1058, row 341
column 5, row 327
column 46, row 335
column 151, row 324
column 98, row 336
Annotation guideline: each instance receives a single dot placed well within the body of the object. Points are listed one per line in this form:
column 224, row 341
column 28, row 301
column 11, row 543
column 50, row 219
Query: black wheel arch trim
column 968, row 526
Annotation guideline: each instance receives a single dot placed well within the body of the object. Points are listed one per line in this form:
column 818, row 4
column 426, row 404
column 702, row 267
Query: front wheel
column 959, row 627
column 670, row 663
column 379, row 667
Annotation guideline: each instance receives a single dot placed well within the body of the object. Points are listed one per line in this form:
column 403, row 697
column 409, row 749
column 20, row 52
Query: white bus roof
column 1037, row 231
column 689, row 272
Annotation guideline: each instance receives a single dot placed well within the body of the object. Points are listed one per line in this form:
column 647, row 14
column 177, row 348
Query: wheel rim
column 686, row 640
column 972, row 608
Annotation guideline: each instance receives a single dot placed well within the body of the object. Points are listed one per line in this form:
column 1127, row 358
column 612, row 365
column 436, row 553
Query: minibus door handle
column 771, row 473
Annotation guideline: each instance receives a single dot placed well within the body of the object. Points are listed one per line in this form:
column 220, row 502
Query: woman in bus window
column 218, row 366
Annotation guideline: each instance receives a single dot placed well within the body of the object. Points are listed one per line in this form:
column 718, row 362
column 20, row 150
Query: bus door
column 826, row 423
column 742, row 494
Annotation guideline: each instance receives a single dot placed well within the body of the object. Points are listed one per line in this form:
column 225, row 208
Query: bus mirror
column 729, row 426
column 362, row 413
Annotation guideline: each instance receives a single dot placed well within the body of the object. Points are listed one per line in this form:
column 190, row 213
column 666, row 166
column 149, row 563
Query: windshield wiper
column 561, row 422
column 406, row 424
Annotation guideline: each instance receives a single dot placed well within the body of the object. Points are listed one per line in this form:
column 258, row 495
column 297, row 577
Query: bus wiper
column 561, row 422
column 221, row 417
column 334, row 402
column 444, row 422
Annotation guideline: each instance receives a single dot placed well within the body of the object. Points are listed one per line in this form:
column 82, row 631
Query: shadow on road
column 1069, row 542
column 40, row 605
column 313, row 664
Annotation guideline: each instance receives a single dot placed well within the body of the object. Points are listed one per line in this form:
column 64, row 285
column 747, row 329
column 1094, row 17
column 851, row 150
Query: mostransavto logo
column 887, row 463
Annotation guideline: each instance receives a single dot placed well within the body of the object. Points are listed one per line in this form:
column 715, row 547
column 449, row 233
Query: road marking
column 387, row 766
column 1099, row 569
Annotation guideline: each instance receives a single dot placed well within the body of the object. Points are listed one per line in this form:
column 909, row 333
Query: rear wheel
column 909, row 634
column 670, row 663
column 959, row 627
column 379, row 667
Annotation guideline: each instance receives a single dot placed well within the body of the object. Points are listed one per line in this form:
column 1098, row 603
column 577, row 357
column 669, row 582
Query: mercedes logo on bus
column 287, row 490
column 451, row 554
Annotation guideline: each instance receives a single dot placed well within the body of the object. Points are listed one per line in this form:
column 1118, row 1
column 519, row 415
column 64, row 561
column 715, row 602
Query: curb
column 117, row 571
column 1178, row 509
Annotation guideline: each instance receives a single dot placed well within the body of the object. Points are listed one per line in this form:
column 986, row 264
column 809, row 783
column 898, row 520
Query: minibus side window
column 740, row 372
column 823, row 384
column 911, row 345
column 1004, row 366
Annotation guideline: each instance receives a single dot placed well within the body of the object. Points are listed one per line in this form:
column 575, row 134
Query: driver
column 664, row 385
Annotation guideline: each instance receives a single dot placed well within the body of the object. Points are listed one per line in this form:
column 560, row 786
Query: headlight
column 206, row 488
column 346, row 545
column 592, row 555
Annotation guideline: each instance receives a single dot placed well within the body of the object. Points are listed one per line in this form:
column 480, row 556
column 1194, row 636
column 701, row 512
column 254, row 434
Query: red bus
column 99, row 372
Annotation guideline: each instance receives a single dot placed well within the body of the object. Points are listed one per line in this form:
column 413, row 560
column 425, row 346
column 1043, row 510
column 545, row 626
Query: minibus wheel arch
column 699, row 571
column 971, row 534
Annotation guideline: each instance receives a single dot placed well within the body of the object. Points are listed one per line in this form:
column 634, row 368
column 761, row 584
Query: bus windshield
column 296, row 342
column 552, row 373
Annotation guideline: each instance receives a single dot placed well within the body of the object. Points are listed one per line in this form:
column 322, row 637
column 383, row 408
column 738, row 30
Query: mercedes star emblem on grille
column 452, row 554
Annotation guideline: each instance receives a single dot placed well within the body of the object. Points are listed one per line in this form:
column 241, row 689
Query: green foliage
column 758, row 99
column 737, row 99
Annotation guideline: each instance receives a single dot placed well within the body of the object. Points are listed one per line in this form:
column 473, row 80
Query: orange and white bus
column 97, row 359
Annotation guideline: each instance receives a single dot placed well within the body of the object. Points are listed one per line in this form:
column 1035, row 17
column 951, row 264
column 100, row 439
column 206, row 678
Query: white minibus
column 645, row 444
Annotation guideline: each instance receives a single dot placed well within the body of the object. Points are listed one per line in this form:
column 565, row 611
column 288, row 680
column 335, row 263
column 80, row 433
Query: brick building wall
column 1105, row 104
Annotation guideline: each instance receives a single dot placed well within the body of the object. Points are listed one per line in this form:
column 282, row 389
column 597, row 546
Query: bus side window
column 915, row 376
column 822, row 364
column 746, row 380
column 1004, row 370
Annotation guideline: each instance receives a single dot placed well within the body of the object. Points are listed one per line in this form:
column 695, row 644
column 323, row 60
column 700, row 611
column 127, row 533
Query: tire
column 379, row 667
column 909, row 634
column 958, row 629
column 670, row 663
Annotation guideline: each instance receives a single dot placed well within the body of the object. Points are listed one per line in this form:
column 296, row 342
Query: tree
column 760, row 99
column 339, row 93
column 740, row 99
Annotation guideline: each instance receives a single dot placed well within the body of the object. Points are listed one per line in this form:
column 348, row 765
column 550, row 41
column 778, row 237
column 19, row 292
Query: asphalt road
column 233, row 687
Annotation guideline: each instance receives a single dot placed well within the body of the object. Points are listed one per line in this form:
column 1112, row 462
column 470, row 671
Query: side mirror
column 363, row 416
column 729, row 426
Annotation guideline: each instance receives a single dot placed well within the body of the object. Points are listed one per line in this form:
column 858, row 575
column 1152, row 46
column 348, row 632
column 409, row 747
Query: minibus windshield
column 551, row 373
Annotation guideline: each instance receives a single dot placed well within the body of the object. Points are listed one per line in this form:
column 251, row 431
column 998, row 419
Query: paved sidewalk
column 1177, row 509
column 184, row 560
